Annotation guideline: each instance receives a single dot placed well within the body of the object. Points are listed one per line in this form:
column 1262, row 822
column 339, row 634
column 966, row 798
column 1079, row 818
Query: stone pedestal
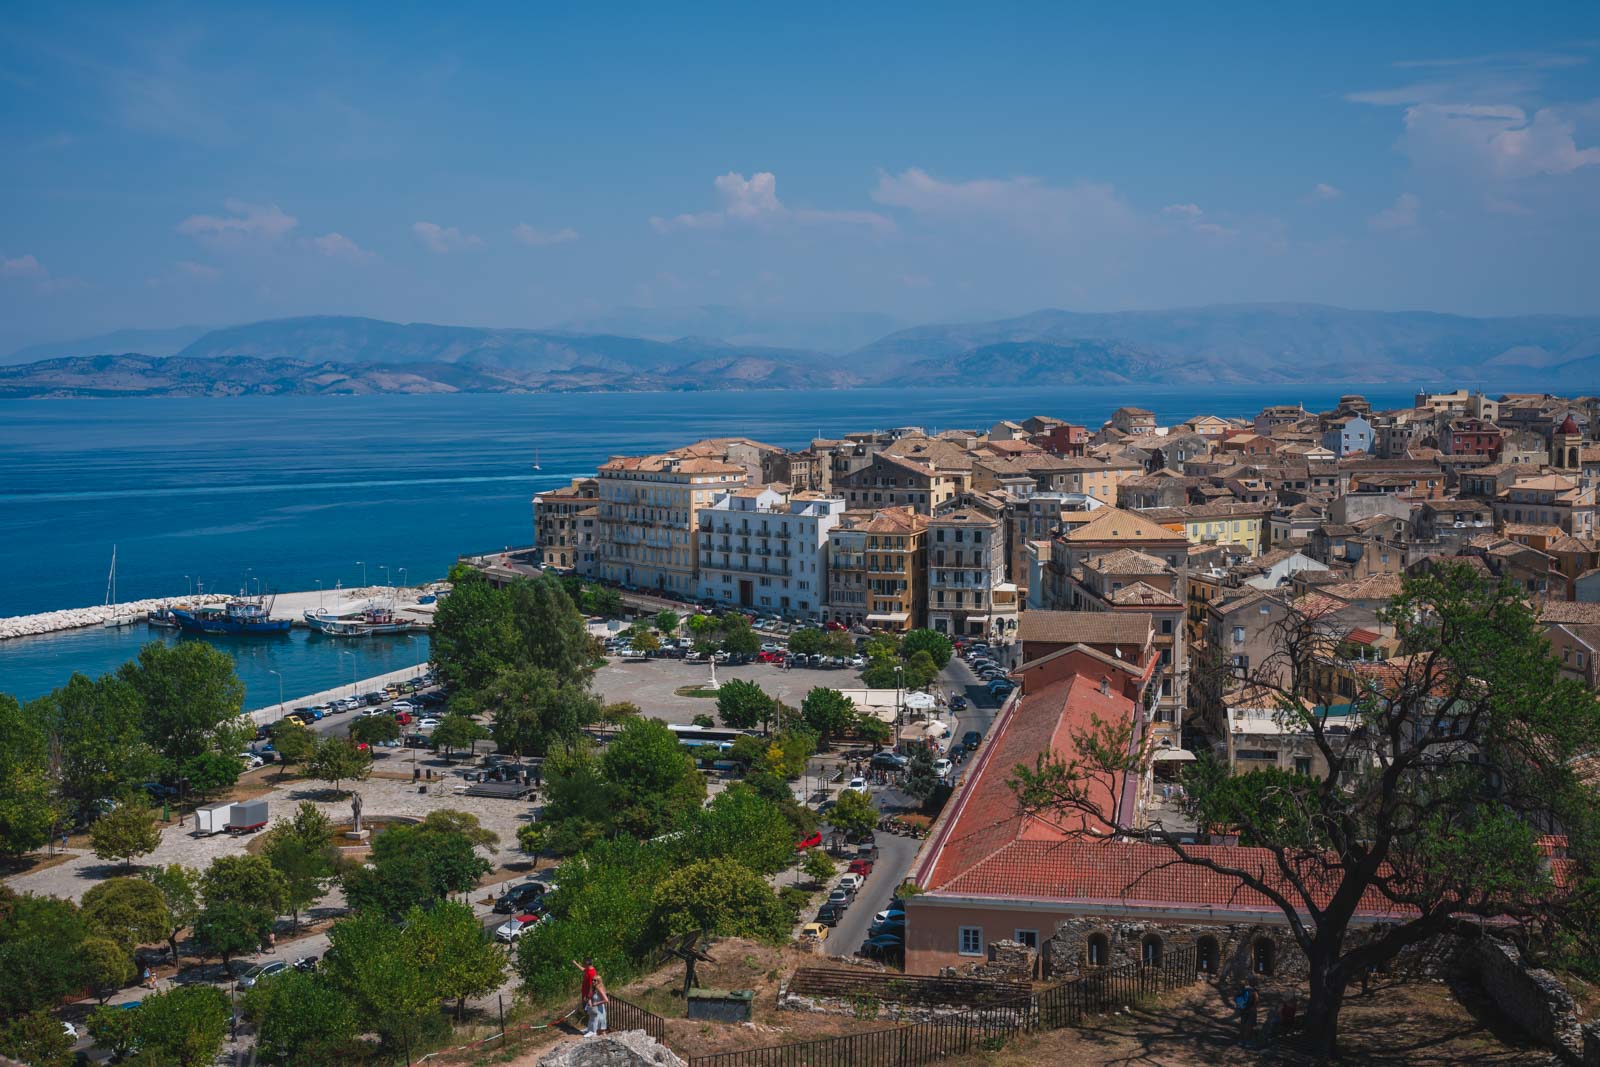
column 357, row 835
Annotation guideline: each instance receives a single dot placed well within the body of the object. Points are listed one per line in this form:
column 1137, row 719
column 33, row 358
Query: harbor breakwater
column 49, row 622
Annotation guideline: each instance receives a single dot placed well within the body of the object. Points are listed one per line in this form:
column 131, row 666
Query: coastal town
column 988, row 714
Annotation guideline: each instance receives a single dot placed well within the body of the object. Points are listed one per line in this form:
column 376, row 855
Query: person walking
column 586, row 989
column 597, row 1008
column 1248, row 1004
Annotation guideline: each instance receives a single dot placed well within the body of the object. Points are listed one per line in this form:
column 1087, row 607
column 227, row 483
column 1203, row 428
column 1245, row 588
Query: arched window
column 1098, row 951
column 1206, row 954
column 1263, row 956
column 1150, row 951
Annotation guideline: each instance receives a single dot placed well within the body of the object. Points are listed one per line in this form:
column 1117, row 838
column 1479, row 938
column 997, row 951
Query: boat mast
column 111, row 579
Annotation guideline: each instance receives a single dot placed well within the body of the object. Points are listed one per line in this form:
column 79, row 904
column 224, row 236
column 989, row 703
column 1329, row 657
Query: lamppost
column 353, row 669
column 362, row 564
column 384, row 567
column 280, row 691
column 416, row 643
column 319, row 594
column 190, row 583
column 899, row 702
column 402, row 577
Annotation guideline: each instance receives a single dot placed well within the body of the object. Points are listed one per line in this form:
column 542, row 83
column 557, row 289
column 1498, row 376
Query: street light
column 353, row 669
column 362, row 564
column 190, row 583
column 280, row 691
column 402, row 577
column 319, row 594
column 416, row 641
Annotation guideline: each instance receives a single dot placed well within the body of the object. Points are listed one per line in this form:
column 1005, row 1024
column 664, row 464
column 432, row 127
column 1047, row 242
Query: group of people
column 1279, row 1021
column 594, row 998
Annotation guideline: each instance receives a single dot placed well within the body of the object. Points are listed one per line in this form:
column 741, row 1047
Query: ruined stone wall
column 1532, row 998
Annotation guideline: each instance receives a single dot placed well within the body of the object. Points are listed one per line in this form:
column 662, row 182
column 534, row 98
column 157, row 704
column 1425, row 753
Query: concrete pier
column 272, row 712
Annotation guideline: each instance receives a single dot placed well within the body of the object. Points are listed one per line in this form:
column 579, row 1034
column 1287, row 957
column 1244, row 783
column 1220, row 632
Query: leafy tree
column 451, row 821
column 873, row 730
column 293, row 743
column 882, row 644
column 749, row 750
column 553, row 634
column 97, row 728
column 107, row 966
column 619, row 712
column 184, row 1026
column 126, row 831
column 535, row 709
column 790, row 751
column 40, row 939
column 706, row 721
column 641, row 638
column 191, row 698
column 578, row 810
column 666, row 621
column 738, row 638
column 934, row 643
column 720, row 896
column 337, row 760
column 414, row 866
column 651, row 779
column 807, row 641
column 446, row 944
column 209, row 773
column 244, row 879
column 302, row 1021
column 700, row 625
column 842, row 646
column 742, row 705
column 1439, row 781
column 367, row 965
column 300, row 850
column 37, row 1039
column 818, row 867
column 375, row 730
column 457, row 731
column 853, row 813
column 130, row 911
column 600, row 600
column 920, row 780
column 739, row 824
column 116, row 1029
column 29, row 811
column 828, row 712
column 474, row 633
column 226, row 930
column 180, row 894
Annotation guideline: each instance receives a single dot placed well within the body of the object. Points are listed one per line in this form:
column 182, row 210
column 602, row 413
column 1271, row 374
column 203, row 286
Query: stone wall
column 1532, row 998
column 1591, row 1045
column 1008, row 961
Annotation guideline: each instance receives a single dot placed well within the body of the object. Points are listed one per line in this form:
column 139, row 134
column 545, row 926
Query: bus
column 692, row 736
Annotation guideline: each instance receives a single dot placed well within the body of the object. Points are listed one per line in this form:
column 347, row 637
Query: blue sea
column 286, row 492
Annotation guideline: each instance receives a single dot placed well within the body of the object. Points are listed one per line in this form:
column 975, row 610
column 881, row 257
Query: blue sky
column 516, row 165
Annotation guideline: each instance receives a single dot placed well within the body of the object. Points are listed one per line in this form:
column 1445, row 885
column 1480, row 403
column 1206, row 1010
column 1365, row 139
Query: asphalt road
column 895, row 854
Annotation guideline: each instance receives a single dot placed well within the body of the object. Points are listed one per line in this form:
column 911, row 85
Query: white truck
column 213, row 819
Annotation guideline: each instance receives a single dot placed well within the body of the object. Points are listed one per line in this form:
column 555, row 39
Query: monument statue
column 355, row 811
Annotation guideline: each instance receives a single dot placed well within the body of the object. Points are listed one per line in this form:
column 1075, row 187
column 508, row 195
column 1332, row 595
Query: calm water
column 290, row 491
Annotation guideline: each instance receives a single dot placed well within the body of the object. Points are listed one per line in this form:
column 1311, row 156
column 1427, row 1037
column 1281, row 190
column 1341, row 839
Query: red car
column 861, row 867
column 770, row 657
column 836, row 626
column 814, row 841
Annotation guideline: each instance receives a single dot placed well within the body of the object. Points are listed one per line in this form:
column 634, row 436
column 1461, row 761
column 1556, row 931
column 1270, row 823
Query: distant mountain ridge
column 1244, row 343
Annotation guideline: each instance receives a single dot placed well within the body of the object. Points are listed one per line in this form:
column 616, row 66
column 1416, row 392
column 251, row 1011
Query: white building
column 647, row 508
column 762, row 551
column 968, row 595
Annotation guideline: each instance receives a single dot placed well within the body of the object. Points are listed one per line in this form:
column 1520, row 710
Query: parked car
column 859, row 785
column 520, row 897
column 884, row 945
column 508, row 931
column 427, row 724
column 402, row 705
column 889, row 761
column 251, row 760
column 631, row 655
column 861, row 867
column 261, row 971
column 830, row 914
column 814, row 932
column 372, row 699
column 839, row 898
column 958, row 703
column 812, row 841
column 894, row 909
column 696, row 657
column 851, row 882
column 893, row 924
column 942, row 767
column 971, row 740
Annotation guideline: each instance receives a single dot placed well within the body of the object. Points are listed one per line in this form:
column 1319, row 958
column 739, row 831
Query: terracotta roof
column 1114, row 524
column 1567, row 425
column 1374, row 586
column 1085, row 627
column 1566, row 611
column 1142, row 594
column 1193, row 512
column 1126, row 561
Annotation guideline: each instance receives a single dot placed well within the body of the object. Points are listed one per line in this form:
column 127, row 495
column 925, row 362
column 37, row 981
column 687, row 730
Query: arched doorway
column 1263, row 956
column 1150, row 950
column 1097, row 951
column 1206, row 954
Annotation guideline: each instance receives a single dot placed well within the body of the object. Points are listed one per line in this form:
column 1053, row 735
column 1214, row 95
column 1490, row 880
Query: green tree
column 97, row 727
column 375, row 730
column 920, row 780
column 464, row 823
column 828, row 712
column 474, row 633
column 115, row 1029
column 446, row 944
column 853, row 813
column 414, row 866
column 790, row 751
column 641, row 637
column 740, row 824
column 703, row 624
column 36, row 1039
column 40, row 942
column 651, row 779
column 244, row 879
column 882, row 644
column 457, row 731
column 873, row 730
column 209, row 773
column 920, row 671
column 535, row 710
column 180, row 894
column 130, row 911
column 126, row 831
column 818, row 867
column 293, row 743
column 107, row 967
column 719, row 896
column 337, row 760
column 934, row 643
column 885, row 672
column 578, row 810
column 1445, row 830
column 191, row 698
column 306, row 864
column 367, row 965
column 302, row 1021
column 226, row 930
column 738, row 638
column 184, row 1026
column 553, row 634
column 29, row 811
column 838, row 644
column 742, row 705
column 807, row 641
column 666, row 621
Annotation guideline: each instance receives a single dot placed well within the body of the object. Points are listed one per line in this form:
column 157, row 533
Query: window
column 971, row 941
column 1263, row 956
column 1302, row 765
column 1097, row 951
column 1206, row 953
column 1027, row 937
column 1166, row 626
column 1150, row 951
column 1238, row 635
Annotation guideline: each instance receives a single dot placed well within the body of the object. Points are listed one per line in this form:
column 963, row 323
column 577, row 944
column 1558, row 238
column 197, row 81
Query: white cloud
column 442, row 239
column 336, row 245
column 537, row 238
column 1025, row 203
column 1324, row 191
column 24, row 266
column 754, row 200
column 203, row 271
column 244, row 221
column 1498, row 140
column 1190, row 210
column 1401, row 215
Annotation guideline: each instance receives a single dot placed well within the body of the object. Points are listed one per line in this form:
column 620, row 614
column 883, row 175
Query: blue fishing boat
column 241, row 615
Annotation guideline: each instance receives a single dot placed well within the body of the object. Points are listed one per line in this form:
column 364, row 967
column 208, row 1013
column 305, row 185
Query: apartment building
column 966, row 568
column 1245, row 525
column 896, row 568
column 648, row 512
column 886, row 481
column 566, row 526
column 1548, row 498
column 767, row 552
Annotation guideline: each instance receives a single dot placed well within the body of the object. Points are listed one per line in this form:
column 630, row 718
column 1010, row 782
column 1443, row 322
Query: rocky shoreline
column 49, row 622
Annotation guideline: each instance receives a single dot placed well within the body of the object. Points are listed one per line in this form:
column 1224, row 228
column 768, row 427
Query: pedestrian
column 147, row 979
column 586, row 989
column 597, row 1008
column 1248, row 1005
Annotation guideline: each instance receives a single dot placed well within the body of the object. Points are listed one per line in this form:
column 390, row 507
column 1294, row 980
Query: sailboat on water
column 118, row 618
column 536, row 464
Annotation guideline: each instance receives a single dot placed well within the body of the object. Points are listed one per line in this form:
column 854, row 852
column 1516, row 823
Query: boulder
column 623, row 1048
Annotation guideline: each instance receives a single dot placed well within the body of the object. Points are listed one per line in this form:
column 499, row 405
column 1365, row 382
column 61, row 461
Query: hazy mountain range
column 634, row 349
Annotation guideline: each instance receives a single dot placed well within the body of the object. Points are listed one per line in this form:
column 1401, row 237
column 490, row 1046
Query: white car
column 427, row 724
column 859, row 785
column 251, row 760
column 69, row 1030
column 508, row 931
column 402, row 705
column 851, row 882
column 943, row 767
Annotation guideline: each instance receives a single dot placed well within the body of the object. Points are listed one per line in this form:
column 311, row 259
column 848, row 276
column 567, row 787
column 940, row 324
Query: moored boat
column 374, row 620
column 238, row 616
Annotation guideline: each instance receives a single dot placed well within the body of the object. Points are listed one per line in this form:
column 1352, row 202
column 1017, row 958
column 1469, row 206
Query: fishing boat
column 374, row 620
column 162, row 618
column 118, row 617
column 241, row 615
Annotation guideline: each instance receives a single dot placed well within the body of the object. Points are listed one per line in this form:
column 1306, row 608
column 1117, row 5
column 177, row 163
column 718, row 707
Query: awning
column 898, row 616
column 1172, row 755
column 919, row 701
column 977, row 618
